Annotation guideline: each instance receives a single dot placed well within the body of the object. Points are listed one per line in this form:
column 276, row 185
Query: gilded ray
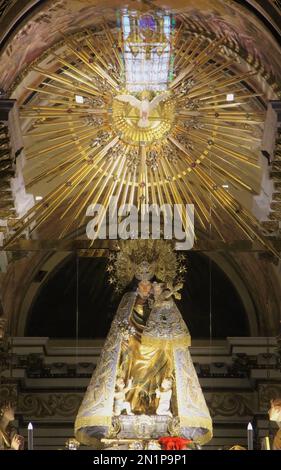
column 194, row 140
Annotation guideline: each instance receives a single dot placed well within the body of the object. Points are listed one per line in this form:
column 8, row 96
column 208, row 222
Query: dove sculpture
column 144, row 106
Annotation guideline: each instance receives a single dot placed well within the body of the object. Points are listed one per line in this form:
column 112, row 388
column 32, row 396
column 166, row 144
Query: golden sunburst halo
column 94, row 148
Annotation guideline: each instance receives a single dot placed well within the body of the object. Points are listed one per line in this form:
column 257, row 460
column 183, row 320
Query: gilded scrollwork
column 115, row 428
column 174, row 428
column 49, row 405
column 231, row 404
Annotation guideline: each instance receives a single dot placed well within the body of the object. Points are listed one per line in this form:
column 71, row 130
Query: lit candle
column 250, row 437
column 30, row 436
column 267, row 443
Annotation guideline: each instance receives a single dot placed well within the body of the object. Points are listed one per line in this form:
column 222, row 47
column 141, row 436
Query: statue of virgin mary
column 145, row 384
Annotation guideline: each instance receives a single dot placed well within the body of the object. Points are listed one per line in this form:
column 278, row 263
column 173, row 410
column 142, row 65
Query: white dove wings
column 144, row 106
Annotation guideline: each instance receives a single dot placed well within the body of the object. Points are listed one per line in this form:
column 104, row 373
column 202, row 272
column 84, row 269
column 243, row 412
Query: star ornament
column 174, row 290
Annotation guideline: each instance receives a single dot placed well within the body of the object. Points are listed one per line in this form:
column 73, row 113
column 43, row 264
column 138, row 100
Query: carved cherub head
column 275, row 410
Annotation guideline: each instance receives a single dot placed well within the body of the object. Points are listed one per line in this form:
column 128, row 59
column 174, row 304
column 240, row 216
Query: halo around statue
column 145, row 259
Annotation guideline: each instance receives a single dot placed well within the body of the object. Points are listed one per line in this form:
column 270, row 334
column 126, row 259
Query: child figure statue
column 164, row 396
column 120, row 403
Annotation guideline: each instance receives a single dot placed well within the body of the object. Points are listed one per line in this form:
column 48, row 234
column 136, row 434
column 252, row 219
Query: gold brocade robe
column 148, row 360
column 148, row 368
column 159, row 349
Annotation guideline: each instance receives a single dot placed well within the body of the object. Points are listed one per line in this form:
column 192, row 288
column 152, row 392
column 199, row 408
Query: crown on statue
column 144, row 260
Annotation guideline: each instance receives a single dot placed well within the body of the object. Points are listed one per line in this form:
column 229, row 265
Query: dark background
column 79, row 289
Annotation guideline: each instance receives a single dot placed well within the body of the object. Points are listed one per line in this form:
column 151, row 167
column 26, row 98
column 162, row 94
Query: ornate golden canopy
column 200, row 146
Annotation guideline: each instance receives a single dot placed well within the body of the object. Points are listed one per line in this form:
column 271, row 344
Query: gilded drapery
column 148, row 366
column 160, row 351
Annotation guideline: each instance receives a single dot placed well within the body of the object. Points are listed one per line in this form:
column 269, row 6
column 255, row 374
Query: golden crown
column 145, row 259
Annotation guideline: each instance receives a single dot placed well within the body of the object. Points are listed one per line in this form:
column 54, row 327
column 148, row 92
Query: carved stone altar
column 239, row 377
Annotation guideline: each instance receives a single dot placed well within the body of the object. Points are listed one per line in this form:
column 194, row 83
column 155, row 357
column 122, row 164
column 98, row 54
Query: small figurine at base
column 164, row 396
column 120, row 403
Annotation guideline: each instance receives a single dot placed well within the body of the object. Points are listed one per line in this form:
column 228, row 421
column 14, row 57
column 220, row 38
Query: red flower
column 174, row 443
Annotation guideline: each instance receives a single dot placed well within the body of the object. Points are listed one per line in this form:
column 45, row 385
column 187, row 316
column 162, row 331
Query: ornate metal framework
column 201, row 144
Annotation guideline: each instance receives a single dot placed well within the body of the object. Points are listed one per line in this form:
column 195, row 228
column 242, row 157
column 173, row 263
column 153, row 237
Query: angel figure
column 144, row 106
column 165, row 395
column 120, row 403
